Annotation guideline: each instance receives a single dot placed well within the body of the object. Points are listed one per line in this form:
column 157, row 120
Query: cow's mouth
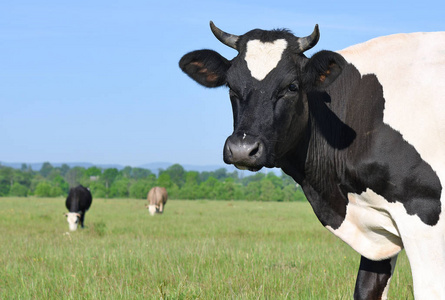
column 249, row 168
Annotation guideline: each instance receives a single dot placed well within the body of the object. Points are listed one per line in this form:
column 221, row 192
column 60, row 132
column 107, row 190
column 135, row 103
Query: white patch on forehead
column 262, row 58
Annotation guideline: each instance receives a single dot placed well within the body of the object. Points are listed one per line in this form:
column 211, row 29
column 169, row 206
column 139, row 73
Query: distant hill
column 38, row 166
column 154, row 167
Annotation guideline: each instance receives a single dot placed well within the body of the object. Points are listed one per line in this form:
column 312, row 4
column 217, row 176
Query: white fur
column 369, row 228
column 152, row 209
column 262, row 58
column 73, row 220
column 411, row 69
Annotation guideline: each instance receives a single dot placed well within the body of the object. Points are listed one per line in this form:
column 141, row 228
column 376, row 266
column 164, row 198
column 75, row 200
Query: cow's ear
column 206, row 67
column 322, row 69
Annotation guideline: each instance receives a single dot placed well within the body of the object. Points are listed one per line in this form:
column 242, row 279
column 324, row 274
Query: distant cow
column 157, row 198
column 78, row 202
column 361, row 130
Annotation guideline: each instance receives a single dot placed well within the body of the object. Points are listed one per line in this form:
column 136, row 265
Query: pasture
column 195, row 250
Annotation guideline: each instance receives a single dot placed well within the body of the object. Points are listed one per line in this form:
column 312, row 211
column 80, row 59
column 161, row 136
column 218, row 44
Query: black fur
column 208, row 67
column 372, row 278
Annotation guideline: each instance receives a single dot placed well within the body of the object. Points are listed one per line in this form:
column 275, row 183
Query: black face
column 270, row 115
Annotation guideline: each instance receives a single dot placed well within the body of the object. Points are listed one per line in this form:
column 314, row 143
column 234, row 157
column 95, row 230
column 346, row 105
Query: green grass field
column 195, row 250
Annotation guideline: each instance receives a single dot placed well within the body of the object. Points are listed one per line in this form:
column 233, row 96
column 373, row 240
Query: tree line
column 135, row 183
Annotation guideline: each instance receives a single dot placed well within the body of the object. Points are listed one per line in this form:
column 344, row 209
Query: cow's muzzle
column 245, row 152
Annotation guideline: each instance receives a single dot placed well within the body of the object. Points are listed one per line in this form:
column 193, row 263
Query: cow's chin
column 249, row 168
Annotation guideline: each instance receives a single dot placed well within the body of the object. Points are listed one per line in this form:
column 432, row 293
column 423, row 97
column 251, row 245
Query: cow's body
column 414, row 115
column 362, row 131
column 78, row 202
column 157, row 198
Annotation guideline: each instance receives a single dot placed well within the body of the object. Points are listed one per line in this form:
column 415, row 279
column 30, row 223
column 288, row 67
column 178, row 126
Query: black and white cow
column 78, row 202
column 361, row 130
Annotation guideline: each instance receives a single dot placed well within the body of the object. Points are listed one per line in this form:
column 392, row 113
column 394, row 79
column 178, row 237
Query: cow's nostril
column 254, row 150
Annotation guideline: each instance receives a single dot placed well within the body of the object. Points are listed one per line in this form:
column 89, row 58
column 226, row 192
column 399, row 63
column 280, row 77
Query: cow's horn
column 308, row 42
column 224, row 37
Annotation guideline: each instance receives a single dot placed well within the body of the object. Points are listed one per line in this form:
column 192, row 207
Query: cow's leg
column 82, row 218
column 161, row 207
column 373, row 278
column 426, row 254
column 425, row 248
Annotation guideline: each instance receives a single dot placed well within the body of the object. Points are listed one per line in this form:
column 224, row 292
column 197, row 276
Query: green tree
column 229, row 190
column 164, row 180
column 119, row 188
column 7, row 175
column 6, row 180
column 253, row 190
column 276, row 181
column 24, row 178
column 209, row 189
column 64, row 168
column 93, row 171
column 203, row 176
column 56, row 191
column 139, row 189
column 18, row 190
column 60, row 182
column 190, row 189
column 36, row 179
column 43, row 189
column 74, row 176
column 220, row 173
column 267, row 190
column 139, row 173
column 126, row 172
column 256, row 177
column 108, row 176
column 46, row 169
column 176, row 173
column 54, row 173
column 98, row 189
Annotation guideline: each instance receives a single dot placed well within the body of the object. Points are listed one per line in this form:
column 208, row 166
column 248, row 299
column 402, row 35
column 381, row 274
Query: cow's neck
column 318, row 164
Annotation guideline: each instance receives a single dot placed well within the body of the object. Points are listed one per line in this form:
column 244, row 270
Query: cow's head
column 152, row 209
column 268, row 80
column 73, row 220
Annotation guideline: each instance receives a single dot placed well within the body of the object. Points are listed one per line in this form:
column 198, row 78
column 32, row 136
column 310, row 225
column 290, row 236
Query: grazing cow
column 78, row 202
column 361, row 130
column 157, row 198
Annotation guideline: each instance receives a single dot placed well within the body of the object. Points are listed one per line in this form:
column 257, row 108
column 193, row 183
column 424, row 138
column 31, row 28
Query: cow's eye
column 293, row 87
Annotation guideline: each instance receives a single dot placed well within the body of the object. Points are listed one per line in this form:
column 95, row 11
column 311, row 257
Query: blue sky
column 98, row 81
